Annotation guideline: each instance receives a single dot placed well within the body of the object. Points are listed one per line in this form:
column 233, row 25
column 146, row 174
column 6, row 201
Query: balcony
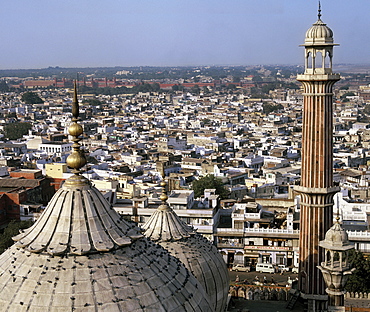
column 229, row 232
column 270, row 231
column 358, row 235
column 230, row 245
column 258, row 232
column 279, row 233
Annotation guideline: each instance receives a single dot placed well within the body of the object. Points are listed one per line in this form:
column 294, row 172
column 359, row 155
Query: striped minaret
column 317, row 188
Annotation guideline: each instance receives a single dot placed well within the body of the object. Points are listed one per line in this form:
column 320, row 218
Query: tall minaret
column 317, row 188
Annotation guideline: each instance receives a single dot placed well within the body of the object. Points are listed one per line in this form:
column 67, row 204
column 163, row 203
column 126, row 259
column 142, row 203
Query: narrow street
column 247, row 278
column 281, row 280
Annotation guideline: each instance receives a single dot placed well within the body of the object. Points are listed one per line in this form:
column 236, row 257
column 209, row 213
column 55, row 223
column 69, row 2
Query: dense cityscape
column 227, row 139
column 189, row 188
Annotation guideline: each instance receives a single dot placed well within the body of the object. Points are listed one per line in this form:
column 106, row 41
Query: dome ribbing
column 319, row 34
column 78, row 221
column 193, row 250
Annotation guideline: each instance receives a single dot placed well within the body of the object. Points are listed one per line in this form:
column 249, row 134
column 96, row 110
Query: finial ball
column 75, row 129
column 163, row 197
column 76, row 160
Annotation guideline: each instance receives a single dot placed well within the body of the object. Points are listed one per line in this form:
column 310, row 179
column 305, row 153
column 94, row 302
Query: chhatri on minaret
column 81, row 256
column 317, row 187
column 197, row 253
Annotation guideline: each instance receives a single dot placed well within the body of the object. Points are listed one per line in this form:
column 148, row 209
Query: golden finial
column 338, row 213
column 163, row 197
column 76, row 159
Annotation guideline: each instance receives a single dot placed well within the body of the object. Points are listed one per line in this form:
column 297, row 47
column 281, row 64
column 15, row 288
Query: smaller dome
column 336, row 238
column 319, row 34
column 337, row 235
column 198, row 254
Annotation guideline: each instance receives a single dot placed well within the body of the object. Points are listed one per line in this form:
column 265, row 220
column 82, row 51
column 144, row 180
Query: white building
column 56, row 148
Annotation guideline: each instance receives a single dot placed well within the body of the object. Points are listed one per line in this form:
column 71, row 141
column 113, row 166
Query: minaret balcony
column 307, row 76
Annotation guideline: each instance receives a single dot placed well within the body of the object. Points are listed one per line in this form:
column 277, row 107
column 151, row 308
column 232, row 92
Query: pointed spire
column 75, row 106
column 76, row 159
column 319, row 11
column 338, row 214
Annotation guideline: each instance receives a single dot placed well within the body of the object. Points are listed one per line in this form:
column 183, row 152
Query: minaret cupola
column 319, row 45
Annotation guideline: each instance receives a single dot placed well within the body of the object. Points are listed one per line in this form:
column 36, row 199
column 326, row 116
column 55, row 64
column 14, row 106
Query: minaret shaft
column 317, row 147
column 317, row 186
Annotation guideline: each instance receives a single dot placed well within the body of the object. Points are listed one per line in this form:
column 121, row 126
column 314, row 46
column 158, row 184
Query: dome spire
column 337, row 218
column 78, row 220
column 77, row 159
column 319, row 11
column 164, row 224
column 163, row 197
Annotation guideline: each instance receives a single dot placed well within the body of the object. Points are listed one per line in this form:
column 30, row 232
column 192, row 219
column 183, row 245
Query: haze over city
column 174, row 33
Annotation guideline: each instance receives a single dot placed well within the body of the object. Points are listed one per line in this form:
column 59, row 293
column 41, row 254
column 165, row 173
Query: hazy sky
column 89, row 33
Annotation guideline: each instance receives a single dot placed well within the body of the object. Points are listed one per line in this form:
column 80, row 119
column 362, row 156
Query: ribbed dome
column 336, row 238
column 319, row 34
column 80, row 256
column 165, row 225
column 192, row 249
column 78, row 221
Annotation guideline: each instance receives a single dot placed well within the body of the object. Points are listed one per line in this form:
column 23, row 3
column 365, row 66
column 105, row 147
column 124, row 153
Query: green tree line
column 10, row 231
column 16, row 130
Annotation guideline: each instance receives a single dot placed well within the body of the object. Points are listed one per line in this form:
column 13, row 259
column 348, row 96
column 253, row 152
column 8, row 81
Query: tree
column 231, row 86
column 16, row 130
column 209, row 182
column 3, row 86
column 206, row 121
column 257, row 78
column 344, row 96
column 205, row 90
column 367, row 109
column 11, row 230
column 195, row 89
column 11, row 115
column 359, row 281
column 31, row 98
column 268, row 108
column 92, row 102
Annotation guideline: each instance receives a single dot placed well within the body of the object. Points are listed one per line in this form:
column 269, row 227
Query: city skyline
column 165, row 33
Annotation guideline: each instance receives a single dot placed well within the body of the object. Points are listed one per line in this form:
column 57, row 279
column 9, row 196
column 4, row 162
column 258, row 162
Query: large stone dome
column 80, row 256
column 197, row 253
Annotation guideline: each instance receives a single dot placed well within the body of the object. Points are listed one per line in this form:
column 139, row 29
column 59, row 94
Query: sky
column 100, row 33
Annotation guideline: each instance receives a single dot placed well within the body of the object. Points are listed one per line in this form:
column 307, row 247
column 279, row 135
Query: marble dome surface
column 193, row 250
column 336, row 238
column 80, row 256
column 319, row 34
